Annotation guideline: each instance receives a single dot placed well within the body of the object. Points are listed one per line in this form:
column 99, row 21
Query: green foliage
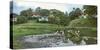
column 56, row 13
column 21, row 19
column 73, row 35
column 27, row 13
column 44, row 12
column 83, row 23
column 54, row 20
column 37, row 10
column 59, row 17
column 78, row 12
column 90, row 10
column 65, row 21
column 91, row 33
column 75, row 13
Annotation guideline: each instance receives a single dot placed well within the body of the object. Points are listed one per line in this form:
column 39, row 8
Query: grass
column 30, row 28
column 34, row 28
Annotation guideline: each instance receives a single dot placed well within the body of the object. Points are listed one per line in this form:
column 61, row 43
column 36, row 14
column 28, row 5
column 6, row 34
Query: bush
column 72, row 35
column 83, row 32
column 53, row 20
column 83, row 23
column 21, row 19
column 64, row 21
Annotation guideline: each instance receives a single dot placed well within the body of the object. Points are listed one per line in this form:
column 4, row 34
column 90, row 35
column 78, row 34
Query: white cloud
column 46, row 5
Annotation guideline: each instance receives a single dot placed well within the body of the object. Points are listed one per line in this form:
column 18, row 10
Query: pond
column 48, row 40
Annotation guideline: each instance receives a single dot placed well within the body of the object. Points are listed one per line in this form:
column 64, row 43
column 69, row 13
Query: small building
column 40, row 18
column 43, row 18
column 35, row 15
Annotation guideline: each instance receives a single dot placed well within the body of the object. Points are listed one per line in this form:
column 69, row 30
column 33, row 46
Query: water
column 47, row 40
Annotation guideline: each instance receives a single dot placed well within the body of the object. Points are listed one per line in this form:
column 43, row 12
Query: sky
column 18, row 6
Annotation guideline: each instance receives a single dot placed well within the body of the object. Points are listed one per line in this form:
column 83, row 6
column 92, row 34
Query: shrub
column 64, row 21
column 21, row 19
column 83, row 23
column 83, row 32
column 72, row 35
column 52, row 20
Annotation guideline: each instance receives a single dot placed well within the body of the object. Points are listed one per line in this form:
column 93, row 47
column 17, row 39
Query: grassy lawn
column 31, row 28
column 34, row 28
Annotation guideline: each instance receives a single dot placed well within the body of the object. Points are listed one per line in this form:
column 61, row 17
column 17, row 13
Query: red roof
column 35, row 14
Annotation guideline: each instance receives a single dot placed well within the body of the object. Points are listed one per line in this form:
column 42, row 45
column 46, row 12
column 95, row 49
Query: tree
column 72, row 14
column 78, row 12
column 44, row 12
column 75, row 13
column 57, row 15
column 37, row 10
column 64, row 21
column 90, row 10
column 21, row 19
column 27, row 13
column 66, row 14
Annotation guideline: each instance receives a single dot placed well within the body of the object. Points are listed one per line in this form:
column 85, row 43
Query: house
column 35, row 15
column 40, row 18
column 43, row 18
